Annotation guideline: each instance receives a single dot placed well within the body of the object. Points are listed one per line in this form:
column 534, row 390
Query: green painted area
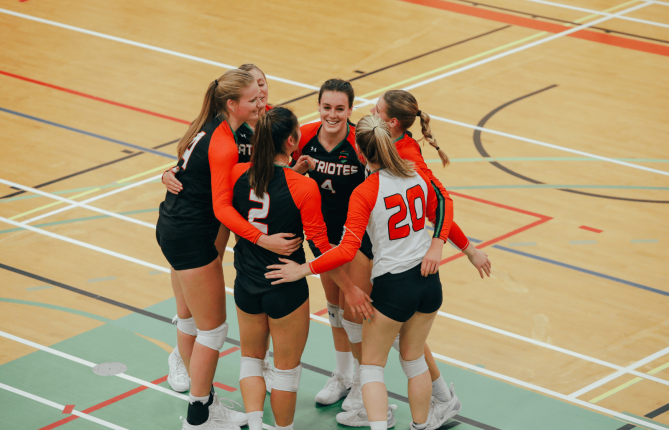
column 488, row 159
column 486, row 400
column 57, row 308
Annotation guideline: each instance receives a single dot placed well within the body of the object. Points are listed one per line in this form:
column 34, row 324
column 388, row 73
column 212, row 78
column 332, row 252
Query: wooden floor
column 566, row 186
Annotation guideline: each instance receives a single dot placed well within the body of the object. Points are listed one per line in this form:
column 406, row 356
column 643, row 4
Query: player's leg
column 179, row 359
column 289, row 325
column 253, row 334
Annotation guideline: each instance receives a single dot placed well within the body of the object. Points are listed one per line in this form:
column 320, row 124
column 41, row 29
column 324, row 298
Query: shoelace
column 225, row 409
column 181, row 367
column 332, row 382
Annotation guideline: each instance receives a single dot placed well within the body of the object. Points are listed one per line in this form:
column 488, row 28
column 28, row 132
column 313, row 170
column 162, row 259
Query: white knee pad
column 415, row 367
column 370, row 373
column 250, row 367
column 287, row 380
column 333, row 315
column 353, row 330
column 213, row 339
column 396, row 343
column 186, row 326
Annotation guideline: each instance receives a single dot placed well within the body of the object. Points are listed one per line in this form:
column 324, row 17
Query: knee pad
column 186, row 326
column 333, row 314
column 287, row 380
column 396, row 343
column 250, row 367
column 415, row 367
column 370, row 373
column 353, row 330
column 213, row 339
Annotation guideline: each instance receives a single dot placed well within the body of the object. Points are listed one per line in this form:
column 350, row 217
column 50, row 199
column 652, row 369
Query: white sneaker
column 178, row 375
column 336, row 388
column 440, row 412
column 213, row 423
column 268, row 374
column 358, row 417
column 227, row 413
column 354, row 399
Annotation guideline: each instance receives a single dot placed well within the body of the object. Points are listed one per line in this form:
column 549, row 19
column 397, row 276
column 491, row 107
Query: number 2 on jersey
column 397, row 200
column 259, row 213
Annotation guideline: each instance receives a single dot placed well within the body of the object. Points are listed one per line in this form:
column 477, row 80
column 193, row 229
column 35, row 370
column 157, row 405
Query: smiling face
column 334, row 110
column 247, row 107
column 261, row 80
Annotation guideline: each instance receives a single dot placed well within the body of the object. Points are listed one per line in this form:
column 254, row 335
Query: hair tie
column 418, row 113
column 216, row 83
column 374, row 128
column 437, row 148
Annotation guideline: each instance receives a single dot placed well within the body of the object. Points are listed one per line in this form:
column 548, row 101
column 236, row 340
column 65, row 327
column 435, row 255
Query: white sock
column 278, row 427
column 379, row 425
column 255, row 420
column 415, row 426
column 440, row 390
column 176, row 351
column 193, row 399
column 356, row 372
column 345, row 364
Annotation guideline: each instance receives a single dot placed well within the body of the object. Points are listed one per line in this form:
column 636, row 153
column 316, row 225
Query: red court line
column 68, row 409
column 224, row 387
column 89, row 96
column 593, row 36
column 321, row 312
column 131, row 393
column 596, row 230
column 542, row 219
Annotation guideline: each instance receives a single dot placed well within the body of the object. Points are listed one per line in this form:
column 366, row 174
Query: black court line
column 90, row 169
column 403, row 62
column 548, row 18
column 235, row 342
column 479, row 147
column 651, row 415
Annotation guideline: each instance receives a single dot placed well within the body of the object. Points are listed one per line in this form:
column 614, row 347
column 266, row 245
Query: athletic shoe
column 336, row 388
column 213, row 423
column 225, row 413
column 358, row 417
column 440, row 412
column 354, row 399
column 268, row 374
column 178, row 376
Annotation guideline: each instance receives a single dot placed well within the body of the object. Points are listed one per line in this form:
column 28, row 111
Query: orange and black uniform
column 292, row 204
column 337, row 173
column 244, row 134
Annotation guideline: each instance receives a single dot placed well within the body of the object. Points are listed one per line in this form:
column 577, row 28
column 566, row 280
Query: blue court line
column 578, row 269
column 106, row 278
column 582, row 242
column 41, row 287
column 87, row 133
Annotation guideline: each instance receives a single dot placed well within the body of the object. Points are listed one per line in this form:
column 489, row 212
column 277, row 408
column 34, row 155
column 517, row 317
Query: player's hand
column 170, row 181
column 303, row 164
column 432, row 258
column 288, row 272
column 359, row 302
column 479, row 259
column 280, row 243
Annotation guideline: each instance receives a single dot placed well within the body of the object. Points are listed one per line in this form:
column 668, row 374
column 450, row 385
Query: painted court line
column 628, row 384
column 550, row 392
column 60, row 407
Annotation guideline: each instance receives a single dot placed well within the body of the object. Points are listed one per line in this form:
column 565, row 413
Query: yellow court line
column 627, row 384
column 473, row 57
column 50, row 205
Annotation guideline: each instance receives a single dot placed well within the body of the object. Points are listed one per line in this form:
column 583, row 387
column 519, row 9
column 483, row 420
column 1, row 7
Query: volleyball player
column 392, row 205
column 274, row 198
column 330, row 145
column 178, row 374
column 187, row 230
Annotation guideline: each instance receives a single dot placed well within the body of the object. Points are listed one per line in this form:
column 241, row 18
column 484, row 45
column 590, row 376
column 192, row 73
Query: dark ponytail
column 272, row 131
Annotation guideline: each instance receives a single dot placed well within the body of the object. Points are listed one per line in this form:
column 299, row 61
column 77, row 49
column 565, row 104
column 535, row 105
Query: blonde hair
column 215, row 104
column 402, row 105
column 373, row 138
column 250, row 66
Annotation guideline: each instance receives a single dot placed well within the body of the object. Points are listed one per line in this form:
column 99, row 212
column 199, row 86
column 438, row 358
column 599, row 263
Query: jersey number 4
column 413, row 195
column 259, row 213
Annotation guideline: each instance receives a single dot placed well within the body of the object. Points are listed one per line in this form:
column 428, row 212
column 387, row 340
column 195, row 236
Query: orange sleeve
column 439, row 209
column 360, row 208
column 223, row 157
column 308, row 132
column 307, row 198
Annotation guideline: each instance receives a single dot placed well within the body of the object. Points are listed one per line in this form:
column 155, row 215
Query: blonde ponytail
column 403, row 106
column 373, row 138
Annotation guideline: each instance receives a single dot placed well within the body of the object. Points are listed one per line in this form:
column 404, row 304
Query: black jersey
column 337, row 173
column 291, row 205
column 244, row 134
column 191, row 211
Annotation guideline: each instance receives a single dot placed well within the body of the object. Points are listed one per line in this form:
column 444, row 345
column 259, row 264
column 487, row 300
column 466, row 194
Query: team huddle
column 361, row 194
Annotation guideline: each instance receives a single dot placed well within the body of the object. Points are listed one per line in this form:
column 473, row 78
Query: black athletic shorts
column 365, row 247
column 276, row 302
column 400, row 295
column 189, row 252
